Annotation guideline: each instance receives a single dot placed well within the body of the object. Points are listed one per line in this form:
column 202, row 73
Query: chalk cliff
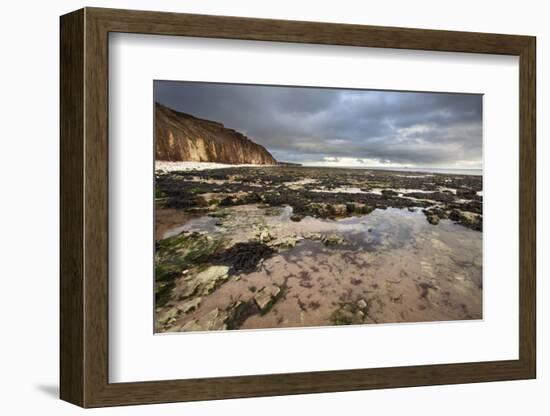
column 183, row 137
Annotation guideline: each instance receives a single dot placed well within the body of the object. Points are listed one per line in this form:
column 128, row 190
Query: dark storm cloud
column 312, row 124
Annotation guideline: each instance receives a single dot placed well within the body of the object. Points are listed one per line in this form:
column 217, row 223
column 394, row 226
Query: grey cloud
column 308, row 124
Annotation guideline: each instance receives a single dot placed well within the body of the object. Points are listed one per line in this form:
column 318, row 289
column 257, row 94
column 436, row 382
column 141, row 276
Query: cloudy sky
column 337, row 127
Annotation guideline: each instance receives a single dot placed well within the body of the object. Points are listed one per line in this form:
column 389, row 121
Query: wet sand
column 247, row 263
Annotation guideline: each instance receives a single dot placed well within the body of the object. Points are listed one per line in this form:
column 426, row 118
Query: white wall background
column 29, row 83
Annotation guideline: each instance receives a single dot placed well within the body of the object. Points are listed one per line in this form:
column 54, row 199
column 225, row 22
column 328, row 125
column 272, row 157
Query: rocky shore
column 281, row 246
column 328, row 193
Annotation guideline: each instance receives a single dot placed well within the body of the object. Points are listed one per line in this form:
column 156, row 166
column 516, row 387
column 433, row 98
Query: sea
column 447, row 171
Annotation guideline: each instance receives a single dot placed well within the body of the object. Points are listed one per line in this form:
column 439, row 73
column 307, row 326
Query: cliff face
column 182, row 137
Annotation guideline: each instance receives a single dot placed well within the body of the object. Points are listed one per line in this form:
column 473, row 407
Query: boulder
column 339, row 209
column 433, row 219
column 211, row 277
column 333, row 240
column 265, row 297
column 286, row 242
column 215, row 320
column 319, row 209
column 191, row 288
column 296, row 217
column 206, row 281
column 239, row 312
column 468, row 219
column 264, row 235
column 359, row 208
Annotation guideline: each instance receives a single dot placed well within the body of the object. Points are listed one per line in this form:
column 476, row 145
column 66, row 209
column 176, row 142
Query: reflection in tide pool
column 394, row 261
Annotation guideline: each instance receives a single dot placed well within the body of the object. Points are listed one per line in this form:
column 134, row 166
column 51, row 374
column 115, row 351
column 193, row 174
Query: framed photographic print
column 256, row 207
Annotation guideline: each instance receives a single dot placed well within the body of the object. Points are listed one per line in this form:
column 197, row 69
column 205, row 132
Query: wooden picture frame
column 84, row 207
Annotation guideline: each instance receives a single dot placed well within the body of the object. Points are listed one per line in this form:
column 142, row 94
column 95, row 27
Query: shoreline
column 171, row 166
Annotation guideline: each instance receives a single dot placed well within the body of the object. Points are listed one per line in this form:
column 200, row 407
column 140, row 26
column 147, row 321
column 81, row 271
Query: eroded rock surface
column 271, row 247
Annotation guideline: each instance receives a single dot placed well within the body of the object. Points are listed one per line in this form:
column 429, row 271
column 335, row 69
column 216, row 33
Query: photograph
column 279, row 203
column 296, row 206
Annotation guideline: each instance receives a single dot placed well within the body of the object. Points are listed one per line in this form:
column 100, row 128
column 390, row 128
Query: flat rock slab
column 213, row 273
column 205, row 282
column 266, row 297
